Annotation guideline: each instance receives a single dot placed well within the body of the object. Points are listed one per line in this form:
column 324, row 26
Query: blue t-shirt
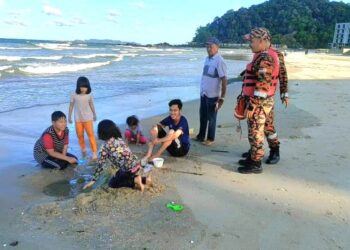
column 183, row 125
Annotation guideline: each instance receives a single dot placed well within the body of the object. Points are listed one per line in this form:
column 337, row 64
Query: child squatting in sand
column 50, row 150
column 119, row 154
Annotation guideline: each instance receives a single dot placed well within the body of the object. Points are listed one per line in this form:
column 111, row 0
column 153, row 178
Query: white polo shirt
column 214, row 69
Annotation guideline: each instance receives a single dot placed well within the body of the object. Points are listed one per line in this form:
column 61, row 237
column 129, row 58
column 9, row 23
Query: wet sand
column 303, row 202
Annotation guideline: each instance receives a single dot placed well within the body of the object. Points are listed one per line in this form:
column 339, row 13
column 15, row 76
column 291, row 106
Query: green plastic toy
column 175, row 207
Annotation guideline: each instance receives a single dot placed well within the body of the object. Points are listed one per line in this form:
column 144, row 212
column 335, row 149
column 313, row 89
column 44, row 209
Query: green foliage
column 294, row 23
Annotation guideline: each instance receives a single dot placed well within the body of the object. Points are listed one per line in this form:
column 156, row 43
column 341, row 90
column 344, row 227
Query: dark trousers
column 207, row 118
column 124, row 179
column 176, row 148
column 54, row 163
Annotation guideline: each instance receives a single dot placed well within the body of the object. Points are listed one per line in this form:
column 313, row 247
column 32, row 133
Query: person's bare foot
column 94, row 157
column 208, row 143
column 138, row 184
column 149, row 181
column 83, row 154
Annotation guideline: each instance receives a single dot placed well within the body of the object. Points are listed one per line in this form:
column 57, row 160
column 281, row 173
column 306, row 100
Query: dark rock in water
column 13, row 244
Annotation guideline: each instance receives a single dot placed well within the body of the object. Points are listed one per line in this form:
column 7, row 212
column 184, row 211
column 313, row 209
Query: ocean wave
column 44, row 57
column 18, row 48
column 131, row 55
column 119, row 58
column 10, row 58
column 60, row 68
column 182, row 50
column 53, row 46
column 19, row 58
column 151, row 49
column 5, row 67
column 64, row 46
column 164, row 54
column 95, row 55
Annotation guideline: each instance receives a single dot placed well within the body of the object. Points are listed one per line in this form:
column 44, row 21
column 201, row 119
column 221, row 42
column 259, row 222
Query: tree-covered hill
column 295, row 23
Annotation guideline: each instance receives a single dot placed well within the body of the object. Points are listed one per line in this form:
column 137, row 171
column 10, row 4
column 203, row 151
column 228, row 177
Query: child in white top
column 84, row 115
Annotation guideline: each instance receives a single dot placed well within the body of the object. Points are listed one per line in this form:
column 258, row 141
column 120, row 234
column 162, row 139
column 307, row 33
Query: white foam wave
column 182, row 50
column 18, row 48
column 95, row 55
column 18, row 58
column 45, row 57
column 10, row 58
column 165, row 54
column 5, row 67
column 54, row 46
column 119, row 58
column 60, row 68
column 131, row 55
column 152, row 49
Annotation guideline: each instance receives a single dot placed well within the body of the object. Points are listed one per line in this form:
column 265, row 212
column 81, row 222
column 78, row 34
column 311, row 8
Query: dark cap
column 212, row 40
column 262, row 33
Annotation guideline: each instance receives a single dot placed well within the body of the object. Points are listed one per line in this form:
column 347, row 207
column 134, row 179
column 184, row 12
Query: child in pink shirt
column 133, row 133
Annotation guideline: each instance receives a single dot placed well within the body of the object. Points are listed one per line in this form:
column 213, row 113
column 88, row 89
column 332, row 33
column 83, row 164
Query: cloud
column 140, row 5
column 69, row 23
column 16, row 22
column 112, row 16
column 78, row 20
column 113, row 13
column 51, row 11
column 62, row 23
column 112, row 19
column 19, row 13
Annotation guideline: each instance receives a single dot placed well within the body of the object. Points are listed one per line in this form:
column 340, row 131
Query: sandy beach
column 303, row 202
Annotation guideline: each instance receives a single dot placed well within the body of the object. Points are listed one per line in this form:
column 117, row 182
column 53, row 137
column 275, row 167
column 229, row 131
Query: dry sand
column 303, row 202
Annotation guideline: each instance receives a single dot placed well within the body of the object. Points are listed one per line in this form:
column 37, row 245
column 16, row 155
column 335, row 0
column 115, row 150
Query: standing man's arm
column 222, row 71
column 223, row 91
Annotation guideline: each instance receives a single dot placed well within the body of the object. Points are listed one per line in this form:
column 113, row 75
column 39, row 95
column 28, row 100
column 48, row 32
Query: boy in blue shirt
column 177, row 140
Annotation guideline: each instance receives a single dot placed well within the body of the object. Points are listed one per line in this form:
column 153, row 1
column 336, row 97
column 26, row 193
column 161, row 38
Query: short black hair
column 107, row 129
column 177, row 102
column 132, row 120
column 83, row 82
column 57, row 115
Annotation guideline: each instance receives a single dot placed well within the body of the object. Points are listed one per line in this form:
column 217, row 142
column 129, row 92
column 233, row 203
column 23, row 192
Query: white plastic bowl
column 158, row 162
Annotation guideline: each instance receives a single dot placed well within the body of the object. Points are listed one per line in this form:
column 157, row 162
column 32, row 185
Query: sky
column 144, row 21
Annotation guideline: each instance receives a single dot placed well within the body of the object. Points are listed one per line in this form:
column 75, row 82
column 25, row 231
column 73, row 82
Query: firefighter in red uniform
column 269, row 129
column 259, row 86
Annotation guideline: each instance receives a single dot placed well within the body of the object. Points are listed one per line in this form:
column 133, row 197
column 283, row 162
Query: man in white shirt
column 213, row 90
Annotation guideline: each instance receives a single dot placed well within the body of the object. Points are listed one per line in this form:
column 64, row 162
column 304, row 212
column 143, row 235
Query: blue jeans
column 207, row 117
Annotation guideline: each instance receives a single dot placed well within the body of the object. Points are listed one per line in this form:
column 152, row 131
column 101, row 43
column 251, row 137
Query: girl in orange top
column 84, row 115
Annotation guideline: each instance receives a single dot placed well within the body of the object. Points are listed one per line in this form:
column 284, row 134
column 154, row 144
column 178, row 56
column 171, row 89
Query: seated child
column 119, row 154
column 50, row 150
column 133, row 133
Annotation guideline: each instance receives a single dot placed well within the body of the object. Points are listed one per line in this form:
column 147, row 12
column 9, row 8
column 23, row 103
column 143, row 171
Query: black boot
column 274, row 156
column 246, row 154
column 252, row 167
column 245, row 162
